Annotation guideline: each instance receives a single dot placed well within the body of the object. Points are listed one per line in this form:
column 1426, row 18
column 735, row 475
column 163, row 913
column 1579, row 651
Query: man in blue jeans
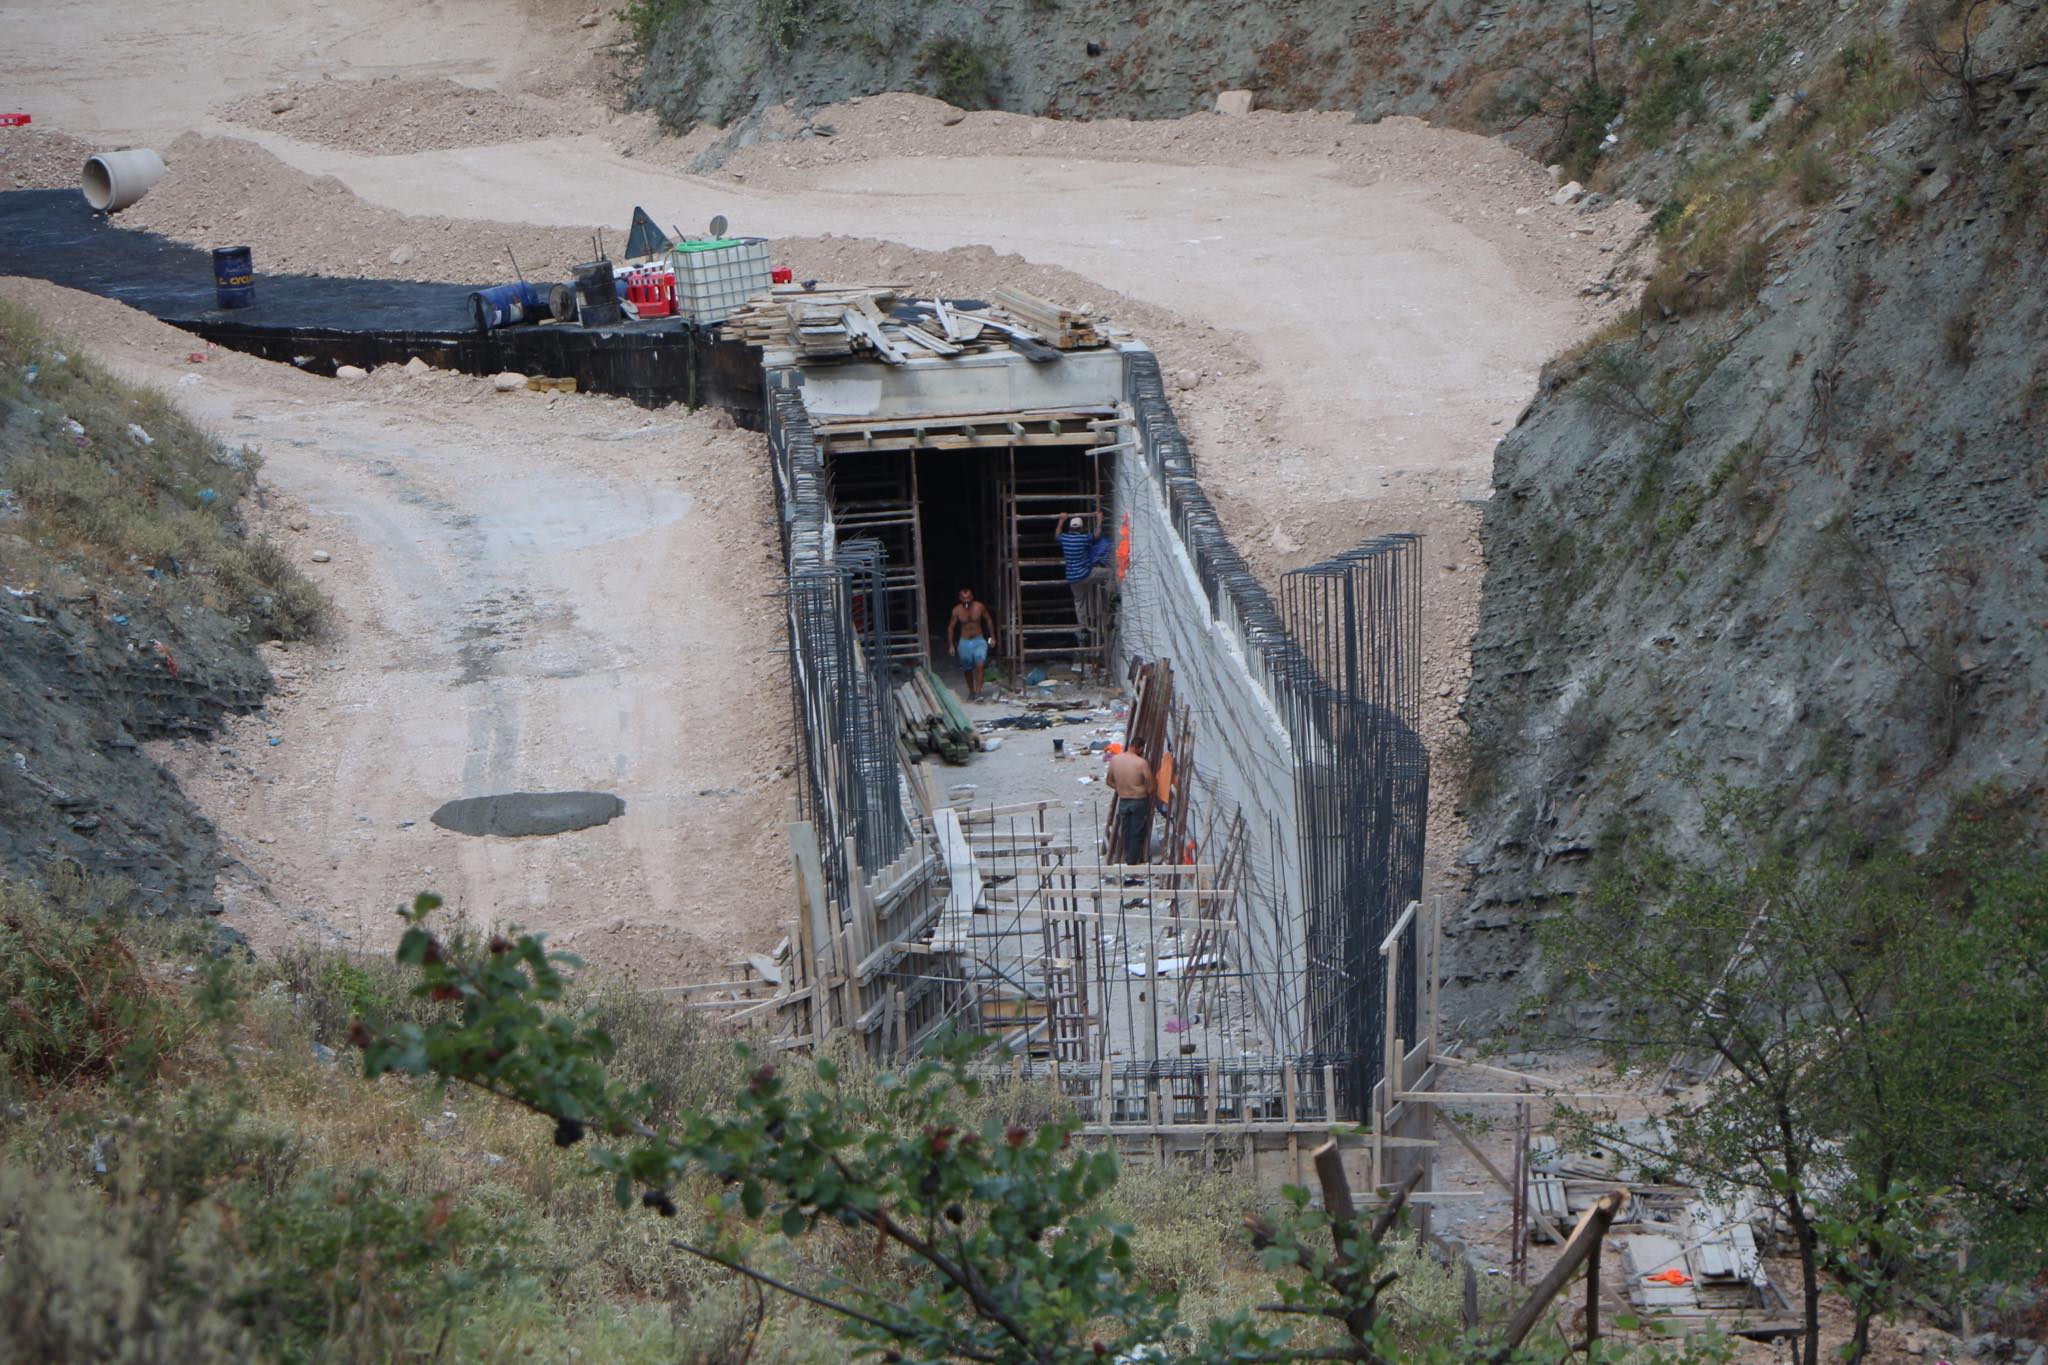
column 1130, row 776
column 968, row 632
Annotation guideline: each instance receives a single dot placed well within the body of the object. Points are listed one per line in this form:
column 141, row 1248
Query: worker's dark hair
column 1134, row 745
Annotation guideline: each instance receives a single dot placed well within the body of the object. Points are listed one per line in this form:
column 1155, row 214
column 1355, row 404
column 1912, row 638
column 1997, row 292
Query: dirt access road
column 534, row 593
column 1352, row 314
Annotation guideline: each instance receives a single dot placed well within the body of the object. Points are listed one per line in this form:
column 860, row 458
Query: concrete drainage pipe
column 114, row 180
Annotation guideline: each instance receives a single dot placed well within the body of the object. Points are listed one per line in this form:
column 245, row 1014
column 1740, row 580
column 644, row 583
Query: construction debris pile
column 1692, row 1261
column 829, row 321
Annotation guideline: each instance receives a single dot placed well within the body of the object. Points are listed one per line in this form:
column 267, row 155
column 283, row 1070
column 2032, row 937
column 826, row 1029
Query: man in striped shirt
column 1087, row 567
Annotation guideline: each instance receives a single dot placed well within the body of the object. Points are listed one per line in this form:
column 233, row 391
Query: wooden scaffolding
column 1039, row 617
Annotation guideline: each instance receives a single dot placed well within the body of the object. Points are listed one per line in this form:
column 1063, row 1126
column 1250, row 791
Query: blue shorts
column 973, row 653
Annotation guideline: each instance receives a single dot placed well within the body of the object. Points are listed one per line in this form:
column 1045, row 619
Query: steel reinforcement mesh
column 1362, row 780
column 844, row 708
column 1340, row 656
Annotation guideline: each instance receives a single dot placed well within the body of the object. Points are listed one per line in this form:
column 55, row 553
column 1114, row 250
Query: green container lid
column 711, row 244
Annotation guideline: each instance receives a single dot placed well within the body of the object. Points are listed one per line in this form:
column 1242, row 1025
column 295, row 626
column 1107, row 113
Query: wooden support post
column 812, row 917
column 849, row 994
column 1215, row 1080
column 1151, row 986
column 1103, row 1109
column 865, row 933
column 902, row 1031
column 1390, row 1058
column 1328, row 1160
column 1287, row 1100
column 1378, row 1105
column 1593, row 1298
column 1584, row 1244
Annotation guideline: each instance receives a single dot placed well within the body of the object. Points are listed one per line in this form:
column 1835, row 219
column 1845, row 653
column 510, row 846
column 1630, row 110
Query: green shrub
column 785, row 22
column 78, row 1006
column 1811, row 177
column 685, row 1066
column 1674, row 85
column 963, row 73
column 647, row 18
column 1182, row 1220
column 76, row 1283
column 343, row 1255
column 1583, row 125
column 1667, row 216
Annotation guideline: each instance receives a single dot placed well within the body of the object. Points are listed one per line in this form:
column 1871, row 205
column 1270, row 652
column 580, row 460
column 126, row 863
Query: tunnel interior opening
column 984, row 518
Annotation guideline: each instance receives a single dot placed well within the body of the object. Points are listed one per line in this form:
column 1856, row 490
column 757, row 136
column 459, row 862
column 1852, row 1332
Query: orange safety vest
column 1123, row 549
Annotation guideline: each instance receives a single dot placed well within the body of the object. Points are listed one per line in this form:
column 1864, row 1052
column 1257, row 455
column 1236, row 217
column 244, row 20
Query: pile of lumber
column 827, row 322
column 811, row 322
column 930, row 721
column 1048, row 322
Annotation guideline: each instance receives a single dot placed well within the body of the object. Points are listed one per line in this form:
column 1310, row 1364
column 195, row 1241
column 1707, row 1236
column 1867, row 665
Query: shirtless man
column 968, row 632
column 1130, row 777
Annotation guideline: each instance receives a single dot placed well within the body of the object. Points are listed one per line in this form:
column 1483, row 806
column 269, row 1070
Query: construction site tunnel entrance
column 986, row 518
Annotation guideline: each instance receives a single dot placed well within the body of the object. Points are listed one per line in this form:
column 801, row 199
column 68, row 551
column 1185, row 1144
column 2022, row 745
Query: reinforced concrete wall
column 1189, row 598
column 1305, row 714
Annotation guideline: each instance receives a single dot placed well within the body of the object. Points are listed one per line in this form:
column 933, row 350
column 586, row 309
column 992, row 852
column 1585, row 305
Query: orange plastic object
column 1123, row 549
column 1673, row 1276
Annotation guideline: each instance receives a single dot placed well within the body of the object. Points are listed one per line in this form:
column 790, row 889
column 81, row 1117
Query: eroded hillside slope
column 1784, row 531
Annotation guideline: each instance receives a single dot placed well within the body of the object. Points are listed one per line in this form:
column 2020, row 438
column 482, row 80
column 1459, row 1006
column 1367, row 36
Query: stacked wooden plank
column 931, row 721
column 1065, row 328
column 811, row 322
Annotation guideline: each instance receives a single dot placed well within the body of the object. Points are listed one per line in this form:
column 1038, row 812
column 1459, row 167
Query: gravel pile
column 33, row 158
column 394, row 115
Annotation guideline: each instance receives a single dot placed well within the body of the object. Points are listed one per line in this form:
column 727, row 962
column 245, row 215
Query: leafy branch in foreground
column 990, row 1240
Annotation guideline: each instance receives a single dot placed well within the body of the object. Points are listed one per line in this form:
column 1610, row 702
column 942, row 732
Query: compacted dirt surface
column 564, row 594
column 535, row 593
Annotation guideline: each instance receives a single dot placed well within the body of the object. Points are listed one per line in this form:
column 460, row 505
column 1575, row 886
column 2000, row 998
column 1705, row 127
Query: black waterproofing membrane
column 318, row 322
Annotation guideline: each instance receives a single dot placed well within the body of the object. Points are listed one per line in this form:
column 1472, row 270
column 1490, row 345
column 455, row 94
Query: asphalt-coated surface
column 516, row 814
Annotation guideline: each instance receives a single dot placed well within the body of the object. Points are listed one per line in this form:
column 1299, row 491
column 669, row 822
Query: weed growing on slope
column 113, row 473
column 647, row 18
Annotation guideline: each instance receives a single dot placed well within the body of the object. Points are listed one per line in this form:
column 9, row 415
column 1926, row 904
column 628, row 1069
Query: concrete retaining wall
column 1188, row 598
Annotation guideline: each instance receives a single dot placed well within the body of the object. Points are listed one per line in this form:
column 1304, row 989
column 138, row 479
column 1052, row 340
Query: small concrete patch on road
column 517, row 814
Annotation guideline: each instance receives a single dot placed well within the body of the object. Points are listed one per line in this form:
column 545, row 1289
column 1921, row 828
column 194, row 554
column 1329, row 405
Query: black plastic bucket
column 597, row 295
column 234, row 277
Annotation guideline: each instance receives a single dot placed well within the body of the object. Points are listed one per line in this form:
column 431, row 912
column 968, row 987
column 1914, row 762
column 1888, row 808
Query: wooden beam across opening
column 962, row 431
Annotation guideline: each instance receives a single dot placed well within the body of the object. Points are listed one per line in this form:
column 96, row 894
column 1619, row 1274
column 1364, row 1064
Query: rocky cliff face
column 77, row 699
column 721, row 60
column 1789, row 532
